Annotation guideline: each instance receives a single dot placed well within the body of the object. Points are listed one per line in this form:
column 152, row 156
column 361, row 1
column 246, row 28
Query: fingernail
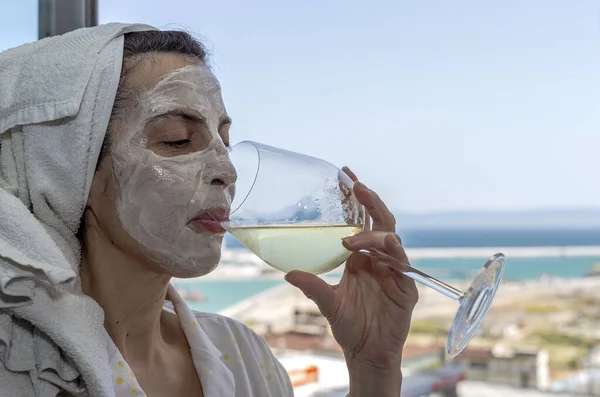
column 347, row 241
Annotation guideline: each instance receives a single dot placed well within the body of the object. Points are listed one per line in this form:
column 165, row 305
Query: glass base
column 475, row 304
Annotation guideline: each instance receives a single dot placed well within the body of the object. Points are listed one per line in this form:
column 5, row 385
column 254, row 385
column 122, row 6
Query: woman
column 150, row 212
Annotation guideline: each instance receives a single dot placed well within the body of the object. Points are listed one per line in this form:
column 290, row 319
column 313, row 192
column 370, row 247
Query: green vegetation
column 565, row 358
column 559, row 322
column 429, row 328
column 566, row 350
column 573, row 363
column 541, row 308
column 435, row 366
column 545, row 338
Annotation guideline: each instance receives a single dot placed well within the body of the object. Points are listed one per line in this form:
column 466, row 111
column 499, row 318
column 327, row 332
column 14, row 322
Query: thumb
column 315, row 289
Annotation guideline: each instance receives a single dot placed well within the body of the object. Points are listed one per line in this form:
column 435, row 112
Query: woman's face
column 168, row 180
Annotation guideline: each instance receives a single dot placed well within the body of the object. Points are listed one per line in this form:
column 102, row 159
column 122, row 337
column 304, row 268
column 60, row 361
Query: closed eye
column 178, row 144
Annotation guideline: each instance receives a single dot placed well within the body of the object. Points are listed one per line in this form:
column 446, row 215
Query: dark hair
column 140, row 47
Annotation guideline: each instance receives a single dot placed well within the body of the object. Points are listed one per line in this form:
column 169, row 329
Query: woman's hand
column 371, row 308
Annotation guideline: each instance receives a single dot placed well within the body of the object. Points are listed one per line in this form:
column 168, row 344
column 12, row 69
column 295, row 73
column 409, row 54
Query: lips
column 210, row 220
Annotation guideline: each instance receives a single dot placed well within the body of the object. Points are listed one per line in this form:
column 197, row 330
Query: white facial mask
column 159, row 196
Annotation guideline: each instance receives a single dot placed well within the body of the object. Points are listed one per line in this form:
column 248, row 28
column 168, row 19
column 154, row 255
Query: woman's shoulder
column 230, row 330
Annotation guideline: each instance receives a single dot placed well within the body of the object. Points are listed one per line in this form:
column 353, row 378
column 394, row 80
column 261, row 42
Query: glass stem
column 434, row 283
column 418, row 275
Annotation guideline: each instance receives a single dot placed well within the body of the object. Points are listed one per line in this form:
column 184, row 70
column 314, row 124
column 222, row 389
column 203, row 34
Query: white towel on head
column 56, row 97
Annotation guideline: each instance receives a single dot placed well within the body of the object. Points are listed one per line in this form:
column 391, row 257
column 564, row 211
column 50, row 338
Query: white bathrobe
column 230, row 359
column 56, row 97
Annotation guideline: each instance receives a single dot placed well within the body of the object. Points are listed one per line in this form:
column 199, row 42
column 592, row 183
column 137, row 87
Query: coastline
column 515, row 252
column 526, row 289
column 241, row 264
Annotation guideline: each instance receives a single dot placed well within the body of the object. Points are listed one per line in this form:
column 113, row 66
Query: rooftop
column 488, row 389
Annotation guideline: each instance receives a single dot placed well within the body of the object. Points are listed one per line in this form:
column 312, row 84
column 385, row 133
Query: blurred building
column 524, row 368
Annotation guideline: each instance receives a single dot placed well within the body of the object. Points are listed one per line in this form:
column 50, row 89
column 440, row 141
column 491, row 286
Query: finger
column 390, row 268
column 406, row 284
column 375, row 239
column 408, row 287
column 395, row 282
column 315, row 289
column 352, row 175
column 383, row 219
column 402, row 290
column 357, row 262
column 382, row 245
column 367, row 227
column 394, row 262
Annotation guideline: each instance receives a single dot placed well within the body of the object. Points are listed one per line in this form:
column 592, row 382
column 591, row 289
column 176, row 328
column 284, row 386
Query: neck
column 131, row 295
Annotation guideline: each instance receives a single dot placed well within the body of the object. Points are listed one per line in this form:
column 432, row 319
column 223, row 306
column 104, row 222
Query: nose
column 220, row 174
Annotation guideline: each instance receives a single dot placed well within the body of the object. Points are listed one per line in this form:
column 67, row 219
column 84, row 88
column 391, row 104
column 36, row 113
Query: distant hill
column 534, row 219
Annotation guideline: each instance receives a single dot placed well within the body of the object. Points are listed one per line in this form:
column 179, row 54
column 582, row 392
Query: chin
column 197, row 265
column 187, row 257
column 192, row 271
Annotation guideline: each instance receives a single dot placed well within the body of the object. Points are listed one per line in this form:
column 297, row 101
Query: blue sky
column 437, row 105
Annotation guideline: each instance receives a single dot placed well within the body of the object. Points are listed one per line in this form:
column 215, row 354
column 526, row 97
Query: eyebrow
column 190, row 116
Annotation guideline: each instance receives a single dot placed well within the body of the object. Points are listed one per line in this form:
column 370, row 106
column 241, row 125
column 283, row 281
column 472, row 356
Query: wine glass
column 292, row 210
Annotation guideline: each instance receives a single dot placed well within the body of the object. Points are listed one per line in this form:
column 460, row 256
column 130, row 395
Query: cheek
column 170, row 186
column 161, row 196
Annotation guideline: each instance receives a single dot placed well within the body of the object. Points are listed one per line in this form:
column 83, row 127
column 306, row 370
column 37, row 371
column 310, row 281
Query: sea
column 220, row 293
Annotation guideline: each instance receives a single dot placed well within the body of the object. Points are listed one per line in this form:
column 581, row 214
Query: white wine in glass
column 293, row 210
column 285, row 247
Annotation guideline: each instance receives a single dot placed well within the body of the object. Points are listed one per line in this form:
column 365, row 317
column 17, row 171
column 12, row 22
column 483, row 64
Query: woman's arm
column 366, row 380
